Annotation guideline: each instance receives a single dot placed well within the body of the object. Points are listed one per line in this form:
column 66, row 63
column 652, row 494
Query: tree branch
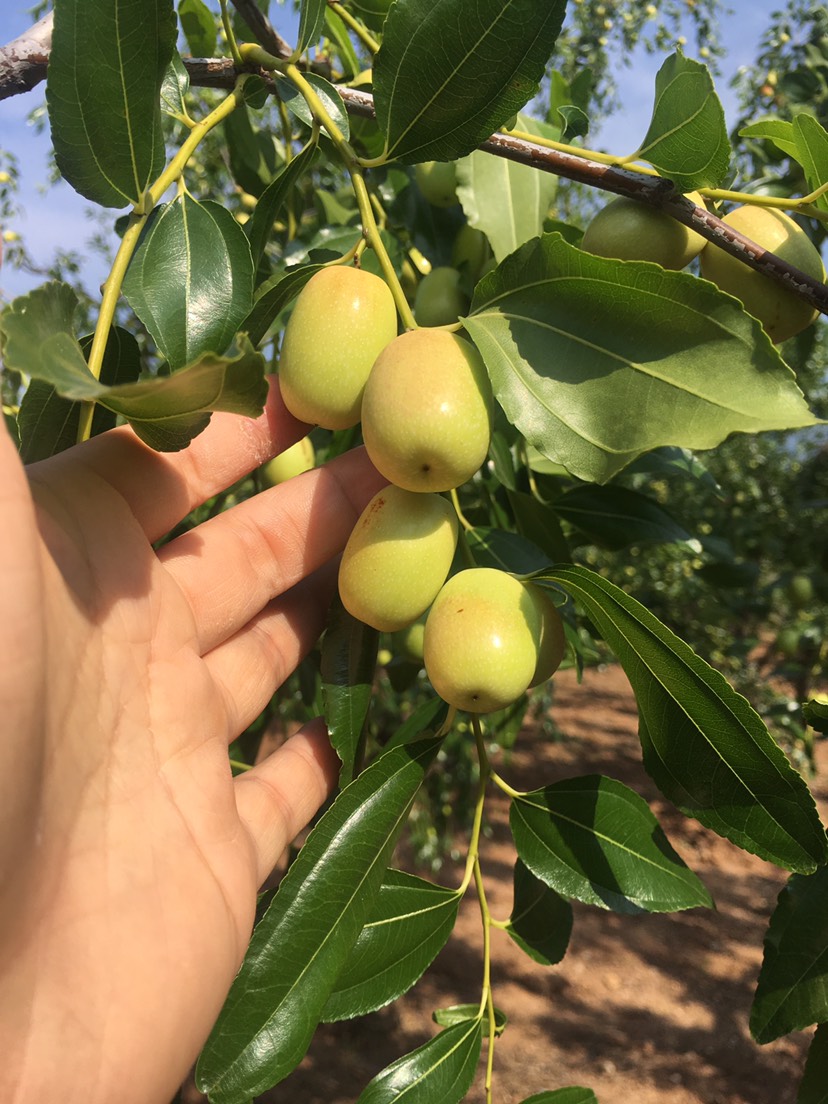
column 23, row 66
column 23, row 61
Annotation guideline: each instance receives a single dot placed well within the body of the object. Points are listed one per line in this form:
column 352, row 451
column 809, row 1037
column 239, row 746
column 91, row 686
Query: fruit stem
column 502, row 784
column 236, row 764
column 486, row 998
column 230, row 35
column 112, row 287
column 367, row 40
column 579, row 151
column 461, row 517
column 477, row 823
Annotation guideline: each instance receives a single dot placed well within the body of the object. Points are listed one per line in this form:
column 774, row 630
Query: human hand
column 129, row 856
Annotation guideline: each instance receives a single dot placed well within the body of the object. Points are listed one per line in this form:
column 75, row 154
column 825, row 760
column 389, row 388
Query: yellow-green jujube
column 342, row 319
column 427, row 411
column 439, row 300
column 437, row 180
column 631, row 231
column 782, row 313
column 397, row 557
column 481, row 641
column 552, row 644
column 470, row 251
column 293, row 461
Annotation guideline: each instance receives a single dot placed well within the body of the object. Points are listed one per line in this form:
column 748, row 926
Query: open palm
column 129, row 857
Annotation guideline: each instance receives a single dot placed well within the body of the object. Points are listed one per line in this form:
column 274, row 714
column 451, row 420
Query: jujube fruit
column 552, row 643
column 342, row 319
column 437, row 180
column 632, row 231
column 427, row 411
column 439, row 299
column 782, row 313
column 482, row 637
column 293, row 461
column 397, row 557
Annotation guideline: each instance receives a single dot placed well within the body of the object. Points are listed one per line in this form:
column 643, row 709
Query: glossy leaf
column 260, row 225
column 616, row 517
column 174, row 88
column 792, row 991
column 106, row 67
column 573, row 1094
column 349, row 658
column 199, row 26
column 594, row 839
column 505, row 200
column 440, row 1071
column 191, row 279
column 410, row 922
column 336, row 30
column 813, row 1088
column 427, row 719
column 439, row 104
column 505, row 551
column 541, row 920
column 318, row 912
column 49, row 423
column 538, row 523
column 687, row 137
column 251, row 151
column 272, row 298
column 587, row 360
column 331, row 101
column 778, row 131
column 704, row 746
column 463, row 1013
column 311, row 22
column 812, row 152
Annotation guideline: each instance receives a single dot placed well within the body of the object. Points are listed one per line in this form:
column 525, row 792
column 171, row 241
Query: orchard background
column 657, row 465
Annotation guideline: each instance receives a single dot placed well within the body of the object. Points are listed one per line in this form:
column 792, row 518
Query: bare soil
column 645, row 1009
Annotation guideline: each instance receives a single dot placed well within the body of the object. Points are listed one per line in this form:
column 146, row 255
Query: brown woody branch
column 23, row 65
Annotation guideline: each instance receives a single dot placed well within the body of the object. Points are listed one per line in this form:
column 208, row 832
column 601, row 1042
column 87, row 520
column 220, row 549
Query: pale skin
column 130, row 858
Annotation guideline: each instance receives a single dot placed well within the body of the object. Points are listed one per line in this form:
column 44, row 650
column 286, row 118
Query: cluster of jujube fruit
column 425, row 403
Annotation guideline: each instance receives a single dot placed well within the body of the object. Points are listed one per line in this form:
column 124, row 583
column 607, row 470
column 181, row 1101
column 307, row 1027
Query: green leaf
column 331, row 101
column 349, row 658
column 174, row 88
column 792, row 991
column 812, row 152
column 815, row 713
column 571, row 340
column 36, row 334
column 441, row 1071
column 505, row 551
column 199, row 26
column 439, row 104
column 505, row 200
column 272, row 298
column 427, row 718
column 463, row 1013
column 573, row 1094
column 251, row 150
column 260, row 225
column 336, row 30
column 311, row 22
column 316, row 916
column 49, row 423
column 410, row 922
column 539, row 524
column 191, row 279
column 541, row 920
column 705, row 747
column 687, row 138
column 616, row 517
column 778, row 131
column 106, row 68
column 594, row 839
column 813, row 1088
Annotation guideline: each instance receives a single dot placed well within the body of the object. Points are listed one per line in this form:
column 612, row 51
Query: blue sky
column 59, row 216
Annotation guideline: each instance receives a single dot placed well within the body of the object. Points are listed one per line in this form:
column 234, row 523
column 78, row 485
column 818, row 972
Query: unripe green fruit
column 782, row 313
column 481, row 640
column 397, row 558
column 427, row 411
column 437, row 180
column 633, row 231
column 470, row 249
column 293, row 461
column 439, row 300
column 552, row 645
column 342, row 319
column 409, row 642
column 800, row 591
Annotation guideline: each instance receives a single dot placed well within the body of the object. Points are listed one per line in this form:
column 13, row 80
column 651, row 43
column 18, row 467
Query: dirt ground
column 643, row 1010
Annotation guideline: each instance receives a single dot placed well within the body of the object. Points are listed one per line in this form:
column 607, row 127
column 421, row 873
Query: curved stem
column 230, row 34
column 461, row 517
column 367, row 40
column 477, row 823
column 502, row 784
column 486, row 998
